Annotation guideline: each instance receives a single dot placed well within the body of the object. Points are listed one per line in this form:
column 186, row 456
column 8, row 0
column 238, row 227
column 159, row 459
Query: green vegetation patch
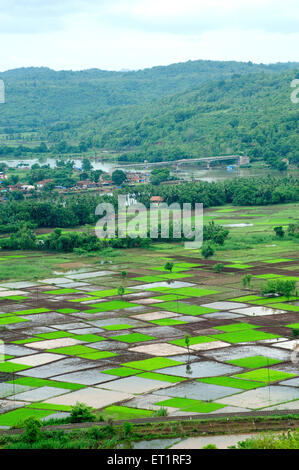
column 54, row 335
column 62, row 291
column 161, row 377
column 175, row 275
column 169, row 297
column 133, row 338
column 12, row 367
column 67, row 310
column 73, row 350
column 33, row 382
column 99, row 294
column 153, row 363
column 194, row 340
column 289, row 307
column 124, row 412
column 238, row 266
column 112, row 305
column 254, row 362
column 89, row 338
column 168, row 322
column 149, row 279
column 246, row 298
column 9, row 320
column 278, row 260
column 193, row 291
column 49, row 406
column 204, row 407
column 32, row 311
column 24, row 341
column 231, row 382
column 245, row 336
column 180, row 307
column 121, row 326
column 265, row 375
column 16, row 416
column 97, row 355
column 121, row 371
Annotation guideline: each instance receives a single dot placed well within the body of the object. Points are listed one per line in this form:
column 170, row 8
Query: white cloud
column 116, row 34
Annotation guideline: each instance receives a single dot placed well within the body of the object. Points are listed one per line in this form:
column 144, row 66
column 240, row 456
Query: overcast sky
column 135, row 34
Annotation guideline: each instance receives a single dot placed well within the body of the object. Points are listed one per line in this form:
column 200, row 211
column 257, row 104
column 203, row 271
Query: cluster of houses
column 103, row 185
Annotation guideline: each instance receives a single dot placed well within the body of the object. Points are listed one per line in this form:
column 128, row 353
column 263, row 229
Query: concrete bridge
column 240, row 160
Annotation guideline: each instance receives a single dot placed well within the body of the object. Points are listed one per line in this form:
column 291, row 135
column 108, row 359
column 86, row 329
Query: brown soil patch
column 70, row 265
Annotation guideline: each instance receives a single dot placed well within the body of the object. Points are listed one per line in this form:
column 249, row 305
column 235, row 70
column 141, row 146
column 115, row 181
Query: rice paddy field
column 67, row 336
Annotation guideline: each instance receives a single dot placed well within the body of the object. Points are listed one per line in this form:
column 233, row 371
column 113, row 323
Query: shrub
column 81, row 413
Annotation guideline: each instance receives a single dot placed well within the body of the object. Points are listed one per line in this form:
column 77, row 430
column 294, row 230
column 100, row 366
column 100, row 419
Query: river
column 188, row 172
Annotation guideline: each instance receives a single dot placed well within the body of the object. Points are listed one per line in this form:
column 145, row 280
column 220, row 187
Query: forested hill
column 41, row 96
column 197, row 108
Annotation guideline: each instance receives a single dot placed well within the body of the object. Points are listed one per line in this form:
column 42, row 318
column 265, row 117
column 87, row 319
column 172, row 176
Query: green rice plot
column 265, row 375
column 254, row 362
column 9, row 320
column 180, row 307
column 97, row 355
column 153, row 363
column 148, row 279
column 289, row 307
column 88, row 338
column 73, row 350
column 278, row 260
column 121, row 371
column 54, row 335
column 62, row 291
column 169, row 297
column 161, row 377
column 194, row 340
column 204, row 407
column 5, row 357
column 235, row 327
column 121, row 326
column 192, row 291
column 13, row 417
column 16, row 297
column 24, row 341
column 112, row 305
column 124, row 412
column 246, row 298
column 12, row 367
column 244, row 336
column 178, row 402
column 33, row 382
column 49, row 406
column 133, row 338
column 238, row 266
column 67, row 310
column 293, row 325
column 107, row 293
column 231, row 382
column 32, row 311
column 168, row 322
column 175, row 269
column 175, row 275
column 268, row 276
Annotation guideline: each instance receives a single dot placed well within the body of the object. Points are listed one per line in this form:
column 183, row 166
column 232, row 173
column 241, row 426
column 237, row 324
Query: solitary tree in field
column 279, row 231
column 246, row 280
column 121, row 291
column 207, row 251
column 168, row 266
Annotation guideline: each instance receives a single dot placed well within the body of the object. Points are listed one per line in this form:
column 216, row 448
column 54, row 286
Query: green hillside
column 192, row 109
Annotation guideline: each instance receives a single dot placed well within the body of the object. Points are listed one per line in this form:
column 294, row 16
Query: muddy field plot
column 187, row 341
